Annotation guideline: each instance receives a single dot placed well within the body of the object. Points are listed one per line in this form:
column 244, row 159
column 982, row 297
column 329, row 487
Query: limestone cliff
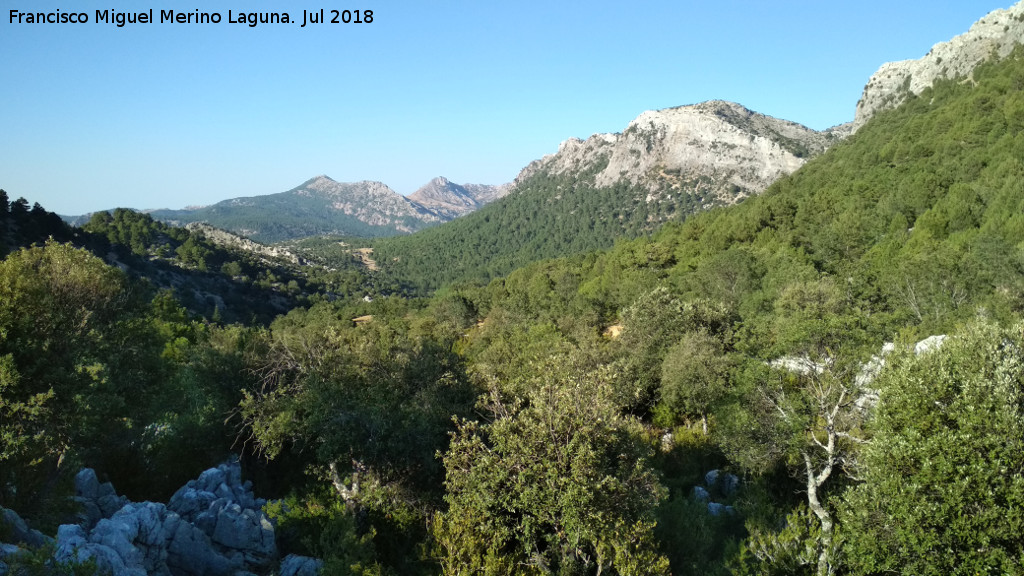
column 720, row 150
column 995, row 34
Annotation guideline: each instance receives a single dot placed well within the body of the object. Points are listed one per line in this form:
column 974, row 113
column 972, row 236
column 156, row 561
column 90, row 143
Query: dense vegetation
column 559, row 420
column 548, row 215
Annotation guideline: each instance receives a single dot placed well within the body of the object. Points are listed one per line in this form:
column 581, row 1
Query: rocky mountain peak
column 720, row 150
column 322, row 205
column 996, row 33
column 451, row 200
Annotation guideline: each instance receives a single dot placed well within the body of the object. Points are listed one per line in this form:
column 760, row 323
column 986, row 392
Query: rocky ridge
column 720, row 149
column 450, row 200
column 371, row 202
column 996, row 33
column 230, row 240
column 323, row 206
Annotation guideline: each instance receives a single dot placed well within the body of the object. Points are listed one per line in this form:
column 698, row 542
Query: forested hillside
column 547, row 216
column 666, row 165
column 905, row 231
column 822, row 379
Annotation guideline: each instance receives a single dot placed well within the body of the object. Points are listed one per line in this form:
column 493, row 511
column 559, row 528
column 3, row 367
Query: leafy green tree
column 655, row 322
column 19, row 208
column 943, row 478
column 193, row 253
column 231, row 268
column 560, row 483
column 74, row 344
column 695, row 376
column 807, row 412
column 790, row 551
column 365, row 409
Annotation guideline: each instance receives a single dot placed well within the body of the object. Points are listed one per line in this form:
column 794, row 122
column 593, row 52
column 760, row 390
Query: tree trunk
column 814, row 482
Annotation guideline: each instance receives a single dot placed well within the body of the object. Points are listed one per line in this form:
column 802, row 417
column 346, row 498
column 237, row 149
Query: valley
column 713, row 343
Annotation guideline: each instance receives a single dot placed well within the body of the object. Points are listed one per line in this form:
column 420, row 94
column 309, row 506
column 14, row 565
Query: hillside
column 908, row 229
column 919, row 214
column 665, row 165
column 823, row 378
column 212, row 273
column 997, row 33
column 322, row 206
column 911, row 228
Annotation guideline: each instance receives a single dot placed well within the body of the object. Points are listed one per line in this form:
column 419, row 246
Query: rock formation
column 212, row 526
column 997, row 33
column 717, row 486
column 719, row 149
column 224, row 238
column 450, row 200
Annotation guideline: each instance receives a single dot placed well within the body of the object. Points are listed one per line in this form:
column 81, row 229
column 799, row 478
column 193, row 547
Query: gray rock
column 119, row 536
column 738, row 152
column 716, row 509
column 729, row 483
column 212, row 527
column 188, row 502
column 295, row 565
column 97, row 500
column 699, row 493
column 211, row 479
column 90, row 512
column 73, row 546
column 86, row 484
column 69, row 536
column 929, row 344
column 726, row 484
column 106, row 490
column 109, row 504
column 190, row 552
column 248, row 531
column 19, row 532
column 8, row 550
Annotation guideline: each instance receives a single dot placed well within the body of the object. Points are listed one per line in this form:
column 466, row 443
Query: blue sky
column 167, row 115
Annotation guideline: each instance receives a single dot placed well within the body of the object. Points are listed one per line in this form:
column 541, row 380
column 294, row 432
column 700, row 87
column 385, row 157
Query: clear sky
column 93, row 116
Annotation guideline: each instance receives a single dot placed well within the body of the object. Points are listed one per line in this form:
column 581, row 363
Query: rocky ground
column 212, row 526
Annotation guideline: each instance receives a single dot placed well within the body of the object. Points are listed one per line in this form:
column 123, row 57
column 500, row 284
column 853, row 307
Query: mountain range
column 684, row 159
column 450, row 200
column 323, row 206
column 664, row 165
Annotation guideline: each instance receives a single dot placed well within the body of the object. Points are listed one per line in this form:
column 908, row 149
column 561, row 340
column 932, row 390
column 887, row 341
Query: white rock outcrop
column 718, row 150
column 997, row 33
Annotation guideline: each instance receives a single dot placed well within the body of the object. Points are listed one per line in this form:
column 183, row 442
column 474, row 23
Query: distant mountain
column 450, row 200
column 322, row 206
column 665, row 165
column 995, row 34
